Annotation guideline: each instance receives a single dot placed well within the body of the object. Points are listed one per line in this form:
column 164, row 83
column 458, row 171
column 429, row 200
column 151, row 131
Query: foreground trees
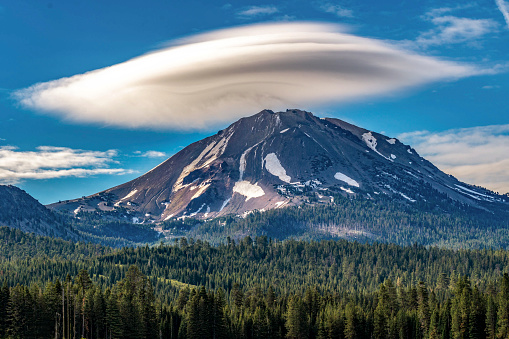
column 76, row 308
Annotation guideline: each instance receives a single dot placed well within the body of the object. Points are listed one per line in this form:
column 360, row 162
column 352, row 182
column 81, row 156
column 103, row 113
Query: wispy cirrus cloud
column 210, row 79
column 255, row 11
column 504, row 9
column 335, row 9
column 49, row 162
column 151, row 154
column 477, row 155
column 450, row 29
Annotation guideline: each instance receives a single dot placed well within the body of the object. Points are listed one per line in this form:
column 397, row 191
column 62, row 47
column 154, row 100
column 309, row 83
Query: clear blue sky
column 54, row 157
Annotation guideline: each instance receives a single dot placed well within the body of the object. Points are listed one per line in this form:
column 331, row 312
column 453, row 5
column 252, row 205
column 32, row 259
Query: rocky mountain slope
column 19, row 210
column 272, row 160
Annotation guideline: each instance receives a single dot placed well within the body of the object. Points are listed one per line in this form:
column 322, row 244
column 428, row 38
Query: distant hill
column 20, row 210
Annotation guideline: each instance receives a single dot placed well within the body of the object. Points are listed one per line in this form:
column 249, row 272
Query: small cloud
column 254, row 11
column 476, row 155
column 504, row 9
column 337, row 10
column 451, row 29
column 226, row 6
column 490, row 87
column 285, row 17
column 49, row 162
column 154, row 154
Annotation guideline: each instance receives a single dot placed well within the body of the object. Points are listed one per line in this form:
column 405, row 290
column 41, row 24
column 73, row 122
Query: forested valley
column 252, row 288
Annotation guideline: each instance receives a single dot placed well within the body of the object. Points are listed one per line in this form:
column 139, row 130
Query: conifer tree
column 296, row 319
column 503, row 308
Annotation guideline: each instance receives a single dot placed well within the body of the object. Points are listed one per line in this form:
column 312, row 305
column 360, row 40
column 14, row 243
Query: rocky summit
column 276, row 159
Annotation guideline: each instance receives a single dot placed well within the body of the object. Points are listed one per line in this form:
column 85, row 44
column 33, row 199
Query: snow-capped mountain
column 272, row 160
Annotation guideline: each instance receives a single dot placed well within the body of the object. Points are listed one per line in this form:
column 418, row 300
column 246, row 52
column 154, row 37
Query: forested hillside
column 250, row 289
column 382, row 220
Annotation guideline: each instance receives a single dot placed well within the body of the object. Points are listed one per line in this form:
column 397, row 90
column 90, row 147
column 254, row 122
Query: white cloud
column 153, row 154
column 258, row 11
column 53, row 162
column 451, row 29
column 490, row 87
column 504, row 9
column 336, row 10
column 211, row 79
column 477, row 155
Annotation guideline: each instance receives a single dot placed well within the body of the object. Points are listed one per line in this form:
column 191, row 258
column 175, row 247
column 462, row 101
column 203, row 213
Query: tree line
column 77, row 308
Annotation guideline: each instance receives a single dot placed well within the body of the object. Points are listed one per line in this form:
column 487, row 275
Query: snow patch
column 207, row 213
column 342, row 177
column 198, row 211
column 406, row 197
column 412, row 174
column 285, row 130
column 313, row 183
column 168, row 217
column 248, row 190
column 246, row 213
column 347, row 190
column 130, row 194
column 136, row 220
column 77, row 210
column 472, row 191
column 400, row 193
column 280, row 203
column 371, row 142
column 393, row 156
column 315, row 141
column 242, row 165
column 391, row 141
column 275, row 168
column 409, row 151
column 224, row 204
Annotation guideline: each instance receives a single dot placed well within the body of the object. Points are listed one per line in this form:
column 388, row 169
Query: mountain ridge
column 274, row 159
column 20, row 210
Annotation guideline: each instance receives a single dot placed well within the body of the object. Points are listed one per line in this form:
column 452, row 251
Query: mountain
column 272, row 160
column 19, row 210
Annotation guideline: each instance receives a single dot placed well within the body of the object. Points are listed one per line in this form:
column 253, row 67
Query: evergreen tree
column 503, row 308
column 296, row 319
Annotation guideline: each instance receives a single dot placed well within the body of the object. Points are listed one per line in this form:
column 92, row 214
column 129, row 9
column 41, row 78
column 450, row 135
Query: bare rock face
column 271, row 160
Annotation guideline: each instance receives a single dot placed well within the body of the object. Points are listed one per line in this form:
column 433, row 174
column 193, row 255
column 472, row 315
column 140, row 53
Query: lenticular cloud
column 217, row 77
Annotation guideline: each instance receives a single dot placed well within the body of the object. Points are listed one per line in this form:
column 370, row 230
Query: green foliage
column 253, row 288
column 429, row 223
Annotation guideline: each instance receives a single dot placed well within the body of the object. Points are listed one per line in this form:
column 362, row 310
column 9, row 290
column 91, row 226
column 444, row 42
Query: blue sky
column 56, row 148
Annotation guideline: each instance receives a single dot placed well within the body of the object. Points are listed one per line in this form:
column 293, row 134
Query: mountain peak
column 275, row 159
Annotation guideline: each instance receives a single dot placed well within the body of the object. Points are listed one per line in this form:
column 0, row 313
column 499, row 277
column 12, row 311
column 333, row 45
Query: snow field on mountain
column 273, row 165
column 248, row 190
column 343, row 177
